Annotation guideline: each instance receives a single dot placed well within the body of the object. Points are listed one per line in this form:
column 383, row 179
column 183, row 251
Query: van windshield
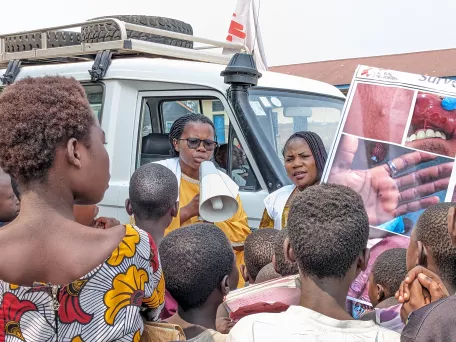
column 282, row 113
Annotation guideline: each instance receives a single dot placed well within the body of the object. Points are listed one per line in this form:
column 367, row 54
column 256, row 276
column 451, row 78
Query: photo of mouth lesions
column 433, row 125
column 395, row 182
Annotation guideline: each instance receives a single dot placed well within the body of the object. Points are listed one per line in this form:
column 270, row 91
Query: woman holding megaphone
column 193, row 142
column 304, row 157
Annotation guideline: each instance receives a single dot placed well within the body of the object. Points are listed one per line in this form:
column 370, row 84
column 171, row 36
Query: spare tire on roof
column 30, row 41
column 105, row 32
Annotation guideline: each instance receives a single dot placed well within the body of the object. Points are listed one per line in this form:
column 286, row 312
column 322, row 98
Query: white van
column 137, row 88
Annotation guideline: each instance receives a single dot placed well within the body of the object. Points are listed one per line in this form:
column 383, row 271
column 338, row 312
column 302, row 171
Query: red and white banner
column 245, row 29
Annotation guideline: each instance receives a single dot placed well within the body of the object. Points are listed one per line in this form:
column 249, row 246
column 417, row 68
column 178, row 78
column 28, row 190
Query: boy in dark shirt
column 428, row 316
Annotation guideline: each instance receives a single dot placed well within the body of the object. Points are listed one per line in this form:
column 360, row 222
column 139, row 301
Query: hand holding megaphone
column 217, row 203
column 190, row 210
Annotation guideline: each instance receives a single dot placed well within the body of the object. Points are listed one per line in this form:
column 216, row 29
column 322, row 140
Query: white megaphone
column 217, row 202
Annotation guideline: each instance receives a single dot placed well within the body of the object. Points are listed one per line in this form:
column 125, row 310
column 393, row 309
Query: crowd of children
column 186, row 281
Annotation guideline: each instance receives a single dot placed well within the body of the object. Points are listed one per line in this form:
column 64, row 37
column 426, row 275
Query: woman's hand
column 385, row 197
column 190, row 210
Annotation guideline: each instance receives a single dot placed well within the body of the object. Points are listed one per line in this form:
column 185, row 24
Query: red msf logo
column 236, row 30
column 365, row 72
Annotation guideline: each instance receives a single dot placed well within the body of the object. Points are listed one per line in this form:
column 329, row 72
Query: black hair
column 258, row 250
column 267, row 273
column 179, row 125
column 153, row 191
column 390, row 269
column 195, row 259
column 316, row 147
column 328, row 228
column 283, row 266
column 432, row 230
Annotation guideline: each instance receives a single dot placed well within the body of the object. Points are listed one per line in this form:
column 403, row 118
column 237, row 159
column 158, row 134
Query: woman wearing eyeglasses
column 192, row 138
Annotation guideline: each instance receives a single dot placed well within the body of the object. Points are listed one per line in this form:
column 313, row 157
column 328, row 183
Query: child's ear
column 452, row 224
column 380, row 293
column 175, row 209
column 274, row 263
column 288, row 250
column 225, row 285
column 244, row 273
column 421, row 257
column 128, row 207
column 364, row 259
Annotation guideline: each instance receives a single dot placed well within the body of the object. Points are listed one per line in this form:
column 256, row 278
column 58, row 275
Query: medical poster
column 395, row 146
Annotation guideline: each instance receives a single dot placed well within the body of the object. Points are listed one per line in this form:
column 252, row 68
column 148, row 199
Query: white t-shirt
column 301, row 324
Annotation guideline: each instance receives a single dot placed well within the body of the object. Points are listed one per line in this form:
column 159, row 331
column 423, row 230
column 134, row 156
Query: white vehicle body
column 130, row 83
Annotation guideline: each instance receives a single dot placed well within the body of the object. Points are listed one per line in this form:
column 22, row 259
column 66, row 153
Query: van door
column 157, row 111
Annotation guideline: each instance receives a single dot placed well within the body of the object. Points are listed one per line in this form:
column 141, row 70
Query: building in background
column 438, row 63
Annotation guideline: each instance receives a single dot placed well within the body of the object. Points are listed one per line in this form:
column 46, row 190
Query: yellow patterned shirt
column 104, row 305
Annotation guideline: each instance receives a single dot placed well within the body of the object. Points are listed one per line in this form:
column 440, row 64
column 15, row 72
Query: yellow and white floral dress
column 104, row 305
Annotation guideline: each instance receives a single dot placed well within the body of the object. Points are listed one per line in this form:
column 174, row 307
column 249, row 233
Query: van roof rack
column 119, row 47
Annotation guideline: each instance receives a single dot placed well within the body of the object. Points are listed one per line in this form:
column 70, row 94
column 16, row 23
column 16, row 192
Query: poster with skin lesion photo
column 396, row 183
column 395, row 148
column 379, row 112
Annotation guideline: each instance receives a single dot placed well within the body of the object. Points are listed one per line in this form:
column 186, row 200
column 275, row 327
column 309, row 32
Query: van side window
column 240, row 168
column 94, row 94
column 159, row 115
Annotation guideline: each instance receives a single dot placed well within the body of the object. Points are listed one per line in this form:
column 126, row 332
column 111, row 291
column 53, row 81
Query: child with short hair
column 153, row 199
column 281, row 264
column 388, row 271
column 258, row 252
column 200, row 269
column 153, row 204
column 328, row 229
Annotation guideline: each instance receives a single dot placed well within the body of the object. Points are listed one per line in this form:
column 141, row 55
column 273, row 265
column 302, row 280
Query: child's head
column 258, row 252
column 50, row 139
column 267, row 273
column 281, row 264
column 328, row 230
column 388, row 271
column 198, row 264
column 431, row 245
column 153, row 194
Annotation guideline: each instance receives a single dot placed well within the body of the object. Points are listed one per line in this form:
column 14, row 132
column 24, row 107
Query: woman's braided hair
column 178, row 128
column 316, row 146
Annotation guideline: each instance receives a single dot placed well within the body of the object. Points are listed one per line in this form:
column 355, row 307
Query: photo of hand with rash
column 433, row 125
column 395, row 183
column 379, row 112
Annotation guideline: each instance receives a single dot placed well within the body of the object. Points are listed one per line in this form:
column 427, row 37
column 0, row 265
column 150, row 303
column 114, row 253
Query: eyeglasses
column 194, row 143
